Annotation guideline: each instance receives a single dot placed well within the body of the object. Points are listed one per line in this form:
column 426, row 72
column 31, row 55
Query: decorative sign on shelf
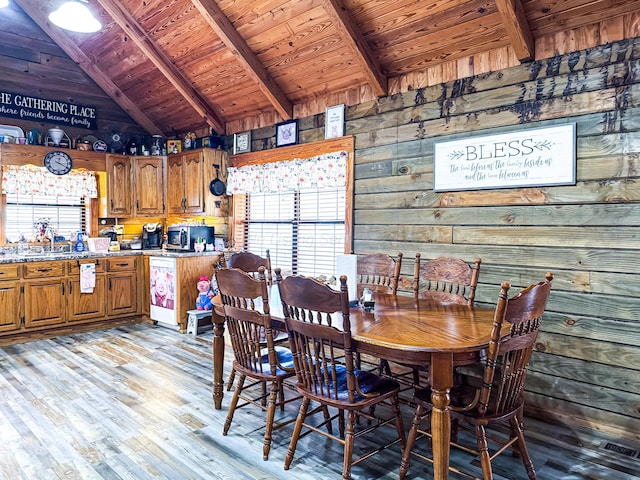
column 538, row 156
column 25, row 107
column 334, row 122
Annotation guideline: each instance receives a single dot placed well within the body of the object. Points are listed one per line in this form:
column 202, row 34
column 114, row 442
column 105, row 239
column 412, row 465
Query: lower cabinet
column 48, row 294
column 10, row 296
column 44, row 294
column 86, row 306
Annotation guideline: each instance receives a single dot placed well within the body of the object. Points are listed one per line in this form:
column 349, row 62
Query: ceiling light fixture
column 75, row 16
column 4, row 3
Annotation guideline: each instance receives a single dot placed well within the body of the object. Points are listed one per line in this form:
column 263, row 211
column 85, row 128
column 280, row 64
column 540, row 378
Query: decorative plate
column 99, row 146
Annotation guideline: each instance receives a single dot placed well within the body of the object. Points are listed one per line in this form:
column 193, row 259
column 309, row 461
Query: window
column 65, row 215
column 303, row 230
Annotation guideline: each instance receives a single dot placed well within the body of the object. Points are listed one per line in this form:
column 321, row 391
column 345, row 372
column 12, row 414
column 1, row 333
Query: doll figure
column 205, row 294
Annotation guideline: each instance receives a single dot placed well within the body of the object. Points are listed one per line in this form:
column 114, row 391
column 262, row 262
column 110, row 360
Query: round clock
column 58, row 162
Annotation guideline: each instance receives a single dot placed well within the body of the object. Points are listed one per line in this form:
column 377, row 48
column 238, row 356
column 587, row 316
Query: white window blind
column 65, row 214
column 303, row 230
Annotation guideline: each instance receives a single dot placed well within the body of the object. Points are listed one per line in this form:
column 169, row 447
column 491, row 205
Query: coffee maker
column 151, row 236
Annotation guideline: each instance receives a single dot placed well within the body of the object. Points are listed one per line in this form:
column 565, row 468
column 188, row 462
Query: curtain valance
column 32, row 180
column 322, row 171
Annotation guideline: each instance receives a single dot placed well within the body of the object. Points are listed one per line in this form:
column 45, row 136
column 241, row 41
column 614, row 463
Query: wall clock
column 58, row 162
column 287, row 133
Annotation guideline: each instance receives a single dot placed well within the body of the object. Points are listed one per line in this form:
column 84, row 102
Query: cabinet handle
column 137, row 204
column 112, row 204
column 70, row 288
column 42, row 270
column 109, row 284
column 63, row 289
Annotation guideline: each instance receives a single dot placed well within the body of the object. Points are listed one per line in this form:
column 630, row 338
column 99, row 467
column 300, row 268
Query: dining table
column 404, row 329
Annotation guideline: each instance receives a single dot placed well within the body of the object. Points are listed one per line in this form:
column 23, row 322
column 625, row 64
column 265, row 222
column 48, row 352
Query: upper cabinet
column 185, row 183
column 148, row 199
column 118, row 186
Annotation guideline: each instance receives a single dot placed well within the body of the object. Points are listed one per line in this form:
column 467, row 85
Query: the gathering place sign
column 24, row 107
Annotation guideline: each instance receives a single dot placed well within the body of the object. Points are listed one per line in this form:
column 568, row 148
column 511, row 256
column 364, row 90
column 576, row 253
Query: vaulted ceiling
column 179, row 65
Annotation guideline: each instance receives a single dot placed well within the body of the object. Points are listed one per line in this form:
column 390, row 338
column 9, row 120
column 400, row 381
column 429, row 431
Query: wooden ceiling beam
column 353, row 38
column 517, row 27
column 224, row 29
column 36, row 10
column 163, row 63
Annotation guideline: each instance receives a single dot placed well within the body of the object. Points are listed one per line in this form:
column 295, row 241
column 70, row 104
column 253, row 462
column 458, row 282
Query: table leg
column 441, row 378
column 218, row 360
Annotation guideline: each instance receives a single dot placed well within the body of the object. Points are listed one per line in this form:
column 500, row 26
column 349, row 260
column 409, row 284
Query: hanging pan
column 217, row 186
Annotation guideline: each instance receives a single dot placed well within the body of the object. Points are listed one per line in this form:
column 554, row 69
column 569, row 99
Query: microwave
column 185, row 236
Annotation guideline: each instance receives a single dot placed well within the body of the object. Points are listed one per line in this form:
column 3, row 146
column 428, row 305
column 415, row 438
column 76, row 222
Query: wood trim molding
column 304, row 150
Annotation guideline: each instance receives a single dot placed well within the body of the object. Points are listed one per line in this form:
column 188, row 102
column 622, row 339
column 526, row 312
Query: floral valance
column 32, row 180
column 322, row 171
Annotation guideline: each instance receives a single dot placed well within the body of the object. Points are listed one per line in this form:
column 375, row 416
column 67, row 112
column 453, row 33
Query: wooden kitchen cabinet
column 148, row 186
column 86, row 306
column 185, row 183
column 122, row 285
column 44, row 293
column 10, row 296
column 119, row 191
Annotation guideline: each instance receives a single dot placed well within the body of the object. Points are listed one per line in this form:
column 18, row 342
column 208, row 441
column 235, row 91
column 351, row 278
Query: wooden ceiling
column 231, row 65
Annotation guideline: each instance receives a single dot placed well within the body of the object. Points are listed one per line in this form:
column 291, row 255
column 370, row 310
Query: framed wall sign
column 287, row 133
column 241, row 142
column 334, row 121
column 522, row 158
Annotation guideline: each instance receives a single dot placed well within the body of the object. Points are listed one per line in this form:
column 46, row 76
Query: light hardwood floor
column 134, row 402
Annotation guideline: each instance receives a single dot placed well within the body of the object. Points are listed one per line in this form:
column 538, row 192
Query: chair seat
column 367, row 381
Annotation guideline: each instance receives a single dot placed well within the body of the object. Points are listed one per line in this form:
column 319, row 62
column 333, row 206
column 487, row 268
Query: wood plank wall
column 588, row 354
column 587, row 362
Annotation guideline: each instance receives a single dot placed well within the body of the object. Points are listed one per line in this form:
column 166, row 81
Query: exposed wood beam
column 224, row 29
column 353, row 38
column 517, row 27
column 36, row 10
column 163, row 63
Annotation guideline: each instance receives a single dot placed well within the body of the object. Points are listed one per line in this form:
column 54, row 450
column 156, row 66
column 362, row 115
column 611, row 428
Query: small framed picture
column 241, row 142
column 287, row 133
column 334, row 122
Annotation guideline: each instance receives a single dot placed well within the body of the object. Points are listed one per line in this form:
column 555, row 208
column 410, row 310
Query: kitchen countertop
column 15, row 258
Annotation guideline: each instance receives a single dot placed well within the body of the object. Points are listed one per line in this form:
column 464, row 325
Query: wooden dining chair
column 246, row 309
column 250, row 263
column 497, row 396
column 317, row 319
column 379, row 272
column 446, row 279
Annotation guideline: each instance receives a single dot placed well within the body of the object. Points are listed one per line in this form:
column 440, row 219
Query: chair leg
column 341, row 423
column 395, row 406
column 348, row 445
column 483, row 450
column 271, row 411
column 234, row 402
column 411, row 440
column 302, row 413
column 517, row 429
column 232, row 377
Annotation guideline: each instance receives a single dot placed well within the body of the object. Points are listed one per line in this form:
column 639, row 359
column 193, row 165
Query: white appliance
column 162, row 280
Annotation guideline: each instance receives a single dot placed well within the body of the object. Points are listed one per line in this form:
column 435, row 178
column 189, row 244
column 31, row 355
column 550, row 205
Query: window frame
column 300, row 151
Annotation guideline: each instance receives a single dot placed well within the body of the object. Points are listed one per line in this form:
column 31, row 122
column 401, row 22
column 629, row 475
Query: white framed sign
column 533, row 157
column 334, row 122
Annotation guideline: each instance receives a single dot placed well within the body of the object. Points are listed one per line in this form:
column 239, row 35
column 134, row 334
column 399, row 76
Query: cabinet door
column 10, row 302
column 175, row 185
column 44, row 302
column 118, row 186
column 122, row 297
column 148, row 183
column 193, row 165
column 84, row 306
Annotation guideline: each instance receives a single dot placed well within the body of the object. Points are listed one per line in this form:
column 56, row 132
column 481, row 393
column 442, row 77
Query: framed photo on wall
column 241, row 142
column 334, row 121
column 287, row 133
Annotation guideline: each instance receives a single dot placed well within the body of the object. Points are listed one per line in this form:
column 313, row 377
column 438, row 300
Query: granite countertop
column 39, row 257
